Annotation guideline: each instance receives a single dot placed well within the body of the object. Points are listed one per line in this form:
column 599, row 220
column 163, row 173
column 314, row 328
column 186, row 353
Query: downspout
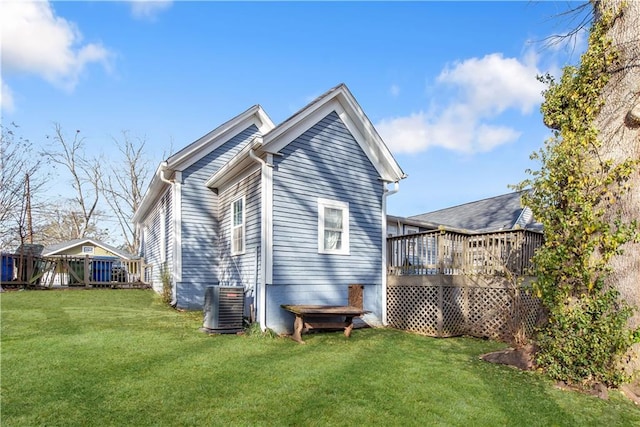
column 261, row 294
column 174, row 286
column 385, row 194
column 163, row 169
column 255, row 157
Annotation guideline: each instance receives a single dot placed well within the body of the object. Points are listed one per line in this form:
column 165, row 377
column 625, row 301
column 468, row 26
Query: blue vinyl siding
column 241, row 270
column 327, row 162
column 153, row 244
column 200, row 258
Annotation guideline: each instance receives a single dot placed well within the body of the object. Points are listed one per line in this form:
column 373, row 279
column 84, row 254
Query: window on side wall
column 333, row 227
column 237, row 226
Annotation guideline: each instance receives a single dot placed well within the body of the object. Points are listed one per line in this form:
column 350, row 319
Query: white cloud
column 493, row 83
column 6, row 97
column 36, row 41
column 484, row 88
column 149, row 9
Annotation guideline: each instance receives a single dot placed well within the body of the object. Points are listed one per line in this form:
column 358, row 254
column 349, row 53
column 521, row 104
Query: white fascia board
column 343, row 103
column 155, row 190
column 371, row 142
column 236, row 164
column 214, row 139
column 274, row 142
column 237, row 177
column 200, row 148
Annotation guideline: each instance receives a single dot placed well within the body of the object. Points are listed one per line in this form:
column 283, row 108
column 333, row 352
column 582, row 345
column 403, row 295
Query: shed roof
column 55, row 249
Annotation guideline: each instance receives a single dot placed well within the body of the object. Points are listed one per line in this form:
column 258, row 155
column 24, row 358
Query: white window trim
column 344, row 206
column 243, row 225
column 88, row 249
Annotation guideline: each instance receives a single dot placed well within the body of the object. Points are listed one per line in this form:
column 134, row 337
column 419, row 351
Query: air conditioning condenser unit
column 223, row 309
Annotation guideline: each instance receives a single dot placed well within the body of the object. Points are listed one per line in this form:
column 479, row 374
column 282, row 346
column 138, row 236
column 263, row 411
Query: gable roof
column 504, row 212
column 340, row 100
column 63, row 246
column 198, row 149
column 204, row 145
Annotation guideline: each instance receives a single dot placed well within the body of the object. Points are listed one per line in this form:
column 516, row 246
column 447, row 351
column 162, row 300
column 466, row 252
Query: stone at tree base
column 521, row 358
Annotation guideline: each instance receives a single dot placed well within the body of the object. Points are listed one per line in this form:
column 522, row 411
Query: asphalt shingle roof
column 53, row 249
column 492, row 214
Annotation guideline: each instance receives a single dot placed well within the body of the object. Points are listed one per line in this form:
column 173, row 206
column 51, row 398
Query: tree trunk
column 619, row 126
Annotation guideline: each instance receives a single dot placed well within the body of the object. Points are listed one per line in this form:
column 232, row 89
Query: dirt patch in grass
column 524, row 359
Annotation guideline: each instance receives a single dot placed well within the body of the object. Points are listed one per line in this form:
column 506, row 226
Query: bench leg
column 349, row 327
column 298, row 324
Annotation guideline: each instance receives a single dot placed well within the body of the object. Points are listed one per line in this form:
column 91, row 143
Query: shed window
column 237, row 226
column 409, row 229
column 87, row 249
column 333, row 227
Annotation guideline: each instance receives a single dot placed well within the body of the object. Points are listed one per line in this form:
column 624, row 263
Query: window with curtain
column 237, row 226
column 333, row 227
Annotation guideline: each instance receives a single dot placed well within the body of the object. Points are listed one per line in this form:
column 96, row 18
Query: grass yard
column 116, row 358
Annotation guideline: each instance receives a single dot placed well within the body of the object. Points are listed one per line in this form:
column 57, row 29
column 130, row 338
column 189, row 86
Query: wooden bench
column 304, row 312
column 322, row 315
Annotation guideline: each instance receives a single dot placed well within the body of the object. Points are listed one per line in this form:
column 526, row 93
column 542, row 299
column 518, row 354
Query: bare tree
column 85, row 180
column 21, row 180
column 123, row 188
column 58, row 222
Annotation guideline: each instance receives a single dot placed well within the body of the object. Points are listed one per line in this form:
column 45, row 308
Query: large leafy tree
column 587, row 195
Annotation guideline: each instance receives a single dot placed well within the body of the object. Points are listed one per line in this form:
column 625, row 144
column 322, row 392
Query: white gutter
column 385, row 194
column 255, row 157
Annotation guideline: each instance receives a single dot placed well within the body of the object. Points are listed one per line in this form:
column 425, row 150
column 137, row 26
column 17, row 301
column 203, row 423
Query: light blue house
column 294, row 213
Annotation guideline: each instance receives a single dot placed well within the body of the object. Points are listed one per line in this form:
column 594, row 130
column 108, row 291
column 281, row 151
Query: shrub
column 167, row 288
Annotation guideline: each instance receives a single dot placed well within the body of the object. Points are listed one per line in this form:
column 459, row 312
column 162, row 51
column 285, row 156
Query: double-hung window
column 333, row 227
column 237, row 226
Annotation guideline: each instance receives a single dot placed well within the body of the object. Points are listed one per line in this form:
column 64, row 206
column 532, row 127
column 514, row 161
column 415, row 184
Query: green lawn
column 118, row 357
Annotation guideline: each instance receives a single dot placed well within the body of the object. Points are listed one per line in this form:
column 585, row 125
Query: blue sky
column 450, row 86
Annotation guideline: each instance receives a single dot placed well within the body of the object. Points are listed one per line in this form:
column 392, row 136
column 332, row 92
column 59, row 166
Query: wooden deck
column 310, row 317
column 455, row 253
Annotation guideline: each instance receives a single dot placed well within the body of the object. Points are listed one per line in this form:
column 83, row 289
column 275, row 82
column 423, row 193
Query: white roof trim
column 204, row 145
column 200, row 148
column 237, row 163
column 341, row 101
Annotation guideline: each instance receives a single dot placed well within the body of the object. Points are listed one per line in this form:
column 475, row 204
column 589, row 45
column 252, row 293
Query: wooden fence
column 447, row 306
column 452, row 253
column 72, row 271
